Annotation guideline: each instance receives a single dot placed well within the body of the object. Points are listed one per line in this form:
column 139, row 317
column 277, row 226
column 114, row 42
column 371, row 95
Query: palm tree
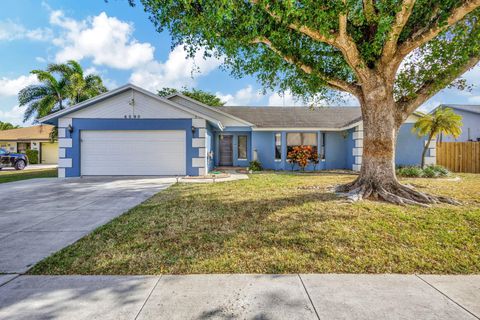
column 442, row 121
column 44, row 98
column 7, row 126
column 54, row 93
column 80, row 87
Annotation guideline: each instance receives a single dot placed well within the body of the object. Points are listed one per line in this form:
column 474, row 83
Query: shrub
column 415, row 172
column 314, row 159
column 300, row 155
column 439, row 170
column 32, row 156
column 255, row 166
column 429, row 172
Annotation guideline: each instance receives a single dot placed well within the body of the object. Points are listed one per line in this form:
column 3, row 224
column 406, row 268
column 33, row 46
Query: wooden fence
column 459, row 156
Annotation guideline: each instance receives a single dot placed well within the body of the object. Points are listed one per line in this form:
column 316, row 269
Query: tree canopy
column 205, row 97
column 310, row 46
column 7, row 126
column 60, row 85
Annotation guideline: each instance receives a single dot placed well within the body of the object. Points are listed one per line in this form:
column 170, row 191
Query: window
column 242, row 147
column 278, row 146
column 322, row 148
column 301, row 139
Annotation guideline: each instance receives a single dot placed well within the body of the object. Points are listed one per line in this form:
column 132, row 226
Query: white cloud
column 14, row 116
column 176, row 72
column 106, row 40
column 285, row 99
column 242, row 97
column 11, row 87
column 10, row 31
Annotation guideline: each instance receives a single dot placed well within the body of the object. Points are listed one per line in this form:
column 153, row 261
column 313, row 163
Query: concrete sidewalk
column 240, row 297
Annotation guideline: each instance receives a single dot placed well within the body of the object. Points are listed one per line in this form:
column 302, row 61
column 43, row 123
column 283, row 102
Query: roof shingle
column 41, row 132
column 297, row 117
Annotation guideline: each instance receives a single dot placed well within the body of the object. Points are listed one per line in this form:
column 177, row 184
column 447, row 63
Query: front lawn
column 282, row 223
column 10, row 176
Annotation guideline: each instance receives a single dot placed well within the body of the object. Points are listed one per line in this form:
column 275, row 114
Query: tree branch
column 429, row 89
column 369, row 10
column 401, row 19
column 422, row 38
column 336, row 84
column 341, row 40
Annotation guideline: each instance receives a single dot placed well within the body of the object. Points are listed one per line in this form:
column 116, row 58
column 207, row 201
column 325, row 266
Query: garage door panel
column 133, row 152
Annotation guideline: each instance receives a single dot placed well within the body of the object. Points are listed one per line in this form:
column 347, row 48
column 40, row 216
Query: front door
column 226, row 150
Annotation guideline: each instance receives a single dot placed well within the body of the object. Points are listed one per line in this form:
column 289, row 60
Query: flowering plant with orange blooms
column 301, row 155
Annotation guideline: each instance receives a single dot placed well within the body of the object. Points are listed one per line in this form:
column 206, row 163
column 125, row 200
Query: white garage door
column 132, row 153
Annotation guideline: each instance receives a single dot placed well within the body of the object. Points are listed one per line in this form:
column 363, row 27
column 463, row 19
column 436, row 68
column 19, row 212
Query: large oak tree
column 392, row 55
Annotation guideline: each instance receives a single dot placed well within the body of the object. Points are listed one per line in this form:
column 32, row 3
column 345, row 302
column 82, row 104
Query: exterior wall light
column 193, row 129
column 70, row 128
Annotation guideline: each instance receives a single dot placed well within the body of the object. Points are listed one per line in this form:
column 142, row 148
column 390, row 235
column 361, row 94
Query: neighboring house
column 36, row 138
column 130, row 131
column 470, row 119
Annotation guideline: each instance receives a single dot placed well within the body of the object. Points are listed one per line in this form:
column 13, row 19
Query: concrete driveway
column 41, row 216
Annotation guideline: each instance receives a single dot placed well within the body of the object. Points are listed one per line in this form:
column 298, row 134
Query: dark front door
column 226, row 150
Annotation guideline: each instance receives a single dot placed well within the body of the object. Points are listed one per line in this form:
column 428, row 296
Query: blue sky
column 120, row 43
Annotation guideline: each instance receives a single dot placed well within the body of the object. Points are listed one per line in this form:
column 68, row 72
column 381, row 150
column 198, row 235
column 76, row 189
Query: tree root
column 392, row 192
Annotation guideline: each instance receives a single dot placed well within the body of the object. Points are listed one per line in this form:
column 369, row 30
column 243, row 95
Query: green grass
column 282, row 223
column 10, row 176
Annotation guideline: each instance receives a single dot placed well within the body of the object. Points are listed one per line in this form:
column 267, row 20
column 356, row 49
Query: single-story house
column 131, row 131
column 471, row 122
column 35, row 137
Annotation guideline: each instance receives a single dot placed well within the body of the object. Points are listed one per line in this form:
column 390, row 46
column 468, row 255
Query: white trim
column 358, row 160
column 308, row 129
column 64, row 122
column 432, row 152
column 65, row 143
column 202, row 132
column 202, row 152
column 199, row 123
column 62, row 132
column 357, row 151
column 177, row 94
column 430, row 160
column 357, row 135
column 356, row 167
column 65, row 163
column 202, row 171
column 198, row 162
column 61, row 172
column 358, row 143
column 61, row 152
column 121, row 89
column 198, row 142
column 433, row 144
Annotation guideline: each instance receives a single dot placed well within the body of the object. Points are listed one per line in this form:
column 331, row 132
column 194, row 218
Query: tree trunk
column 377, row 178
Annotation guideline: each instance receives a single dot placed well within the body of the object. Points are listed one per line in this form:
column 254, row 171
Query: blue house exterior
column 130, row 131
column 471, row 122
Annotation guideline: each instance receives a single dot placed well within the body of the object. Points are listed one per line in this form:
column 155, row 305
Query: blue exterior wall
column 470, row 121
column 210, row 146
column 127, row 124
column 336, row 154
column 409, row 147
column 235, row 132
column 350, row 144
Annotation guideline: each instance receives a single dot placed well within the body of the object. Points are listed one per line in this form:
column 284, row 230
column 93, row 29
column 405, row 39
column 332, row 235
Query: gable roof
column 201, row 104
column 52, row 118
column 41, row 132
column 469, row 108
column 297, row 117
